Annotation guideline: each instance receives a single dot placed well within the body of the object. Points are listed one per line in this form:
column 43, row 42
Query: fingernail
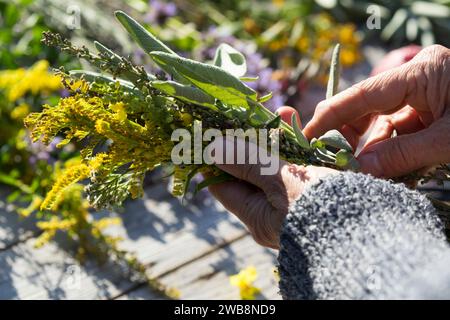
column 370, row 163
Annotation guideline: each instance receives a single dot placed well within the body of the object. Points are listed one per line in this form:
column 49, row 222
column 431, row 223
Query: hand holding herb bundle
column 133, row 117
column 407, row 109
column 123, row 118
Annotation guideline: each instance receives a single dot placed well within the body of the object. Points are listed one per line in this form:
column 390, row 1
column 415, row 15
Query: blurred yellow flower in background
column 244, row 281
column 20, row 111
column 37, row 79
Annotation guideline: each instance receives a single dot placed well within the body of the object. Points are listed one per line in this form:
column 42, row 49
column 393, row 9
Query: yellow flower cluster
column 317, row 37
column 20, row 111
column 244, row 281
column 37, row 79
column 325, row 34
column 139, row 144
column 68, row 177
column 73, row 172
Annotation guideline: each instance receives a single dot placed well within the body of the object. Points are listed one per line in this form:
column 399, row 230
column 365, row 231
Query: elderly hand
column 261, row 202
column 412, row 99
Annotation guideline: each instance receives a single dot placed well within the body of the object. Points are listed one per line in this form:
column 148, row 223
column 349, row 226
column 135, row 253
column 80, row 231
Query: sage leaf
column 334, row 138
column 325, row 155
column 345, row 159
column 142, row 36
column 188, row 180
column 184, row 93
column 396, row 22
column 301, row 139
column 222, row 177
column 333, row 80
column 231, row 60
column 249, row 79
column 430, row 9
column 274, row 123
column 211, row 79
column 147, row 41
column 266, row 97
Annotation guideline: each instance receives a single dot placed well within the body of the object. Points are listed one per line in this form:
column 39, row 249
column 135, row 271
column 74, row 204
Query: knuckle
column 436, row 50
column 260, row 223
column 262, row 230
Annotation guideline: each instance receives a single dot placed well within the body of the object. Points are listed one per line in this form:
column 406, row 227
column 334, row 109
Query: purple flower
column 41, row 152
column 160, row 11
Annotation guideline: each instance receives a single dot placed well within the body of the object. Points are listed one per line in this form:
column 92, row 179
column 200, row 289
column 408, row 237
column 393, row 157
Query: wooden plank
column 208, row 277
column 51, row 273
column 162, row 232
column 13, row 229
column 166, row 234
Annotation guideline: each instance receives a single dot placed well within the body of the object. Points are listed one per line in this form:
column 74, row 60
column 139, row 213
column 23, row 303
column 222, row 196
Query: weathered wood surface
column 173, row 240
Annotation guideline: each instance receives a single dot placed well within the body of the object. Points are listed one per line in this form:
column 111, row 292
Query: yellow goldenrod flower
column 349, row 56
column 33, row 206
column 20, row 112
column 244, row 281
column 79, row 85
column 303, row 44
column 119, row 109
column 44, row 238
column 68, row 177
column 250, row 26
column 186, row 118
column 347, row 34
column 36, row 79
column 106, row 222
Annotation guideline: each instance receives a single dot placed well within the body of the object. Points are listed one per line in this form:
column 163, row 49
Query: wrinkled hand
column 412, row 99
column 261, row 202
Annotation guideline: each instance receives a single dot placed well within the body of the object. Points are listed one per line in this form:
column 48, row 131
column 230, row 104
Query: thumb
column 406, row 153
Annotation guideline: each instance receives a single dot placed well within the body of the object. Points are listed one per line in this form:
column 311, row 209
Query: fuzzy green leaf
column 211, row 79
column 266, row 97
column 222, row 177
column 301, row 139
column 333, row 81
column 249, row 79
column 334, row 138
column 325, row 155
column 396, row 22
column 231, row 60
column 184, row 93
column 347, row 160
column 147, row 41
column 142, row 36
column 274, row 123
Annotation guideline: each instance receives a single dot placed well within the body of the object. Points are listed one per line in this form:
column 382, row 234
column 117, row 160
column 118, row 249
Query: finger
column 250, row 205
column 385, row 92
column 249, row 167
column 404, row 121
column 405, row 153
column 407, row 120
column 234, row 195
column 286, row 115
column 353, row 132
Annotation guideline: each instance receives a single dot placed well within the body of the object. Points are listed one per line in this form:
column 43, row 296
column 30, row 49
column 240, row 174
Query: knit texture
column 352, row 236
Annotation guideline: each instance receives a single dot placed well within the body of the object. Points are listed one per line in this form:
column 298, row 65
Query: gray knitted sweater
column 352, row 236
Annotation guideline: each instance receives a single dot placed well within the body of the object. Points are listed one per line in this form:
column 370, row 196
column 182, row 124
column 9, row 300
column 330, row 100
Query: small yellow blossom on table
column 244, row 281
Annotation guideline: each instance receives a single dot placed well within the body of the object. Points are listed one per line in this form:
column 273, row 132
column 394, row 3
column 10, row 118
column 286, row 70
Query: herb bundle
column 122, row 118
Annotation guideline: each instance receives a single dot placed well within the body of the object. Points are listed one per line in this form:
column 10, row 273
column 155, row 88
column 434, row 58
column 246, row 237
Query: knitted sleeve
column 352, row 236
